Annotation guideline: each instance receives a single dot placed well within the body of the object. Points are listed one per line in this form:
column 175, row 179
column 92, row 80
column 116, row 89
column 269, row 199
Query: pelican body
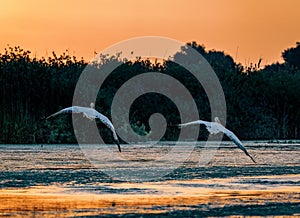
column 216, row 127
column 91, row 114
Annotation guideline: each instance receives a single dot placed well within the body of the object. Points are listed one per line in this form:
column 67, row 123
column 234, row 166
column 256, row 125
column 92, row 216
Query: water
column 58, row 180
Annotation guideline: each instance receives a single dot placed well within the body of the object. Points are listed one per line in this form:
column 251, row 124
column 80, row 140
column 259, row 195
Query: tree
column 291, row 56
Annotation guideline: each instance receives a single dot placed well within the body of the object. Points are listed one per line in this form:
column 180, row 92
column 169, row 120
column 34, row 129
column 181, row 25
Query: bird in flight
column 216, row 127
column 91, row 113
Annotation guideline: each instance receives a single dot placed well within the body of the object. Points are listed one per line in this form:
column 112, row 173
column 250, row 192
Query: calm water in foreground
column 60, row 181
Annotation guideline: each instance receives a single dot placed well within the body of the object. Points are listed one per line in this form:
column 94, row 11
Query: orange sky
column 247, row 30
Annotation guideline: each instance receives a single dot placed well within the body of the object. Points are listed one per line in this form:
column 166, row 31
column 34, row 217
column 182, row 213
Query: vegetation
column 262, row 103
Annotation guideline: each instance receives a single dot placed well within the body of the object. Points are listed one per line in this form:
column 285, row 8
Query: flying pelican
column 91, row 114
column 216, row 127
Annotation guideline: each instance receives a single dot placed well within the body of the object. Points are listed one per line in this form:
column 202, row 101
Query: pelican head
column 92, row 105
column 217, row 120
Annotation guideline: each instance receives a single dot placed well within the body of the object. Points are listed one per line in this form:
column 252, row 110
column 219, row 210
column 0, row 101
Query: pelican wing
column 74, row 109
column 109, row 125
column 211, row 127
column 236, row 140
column 194, row 123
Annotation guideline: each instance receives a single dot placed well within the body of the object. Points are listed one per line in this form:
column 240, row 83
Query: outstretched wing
column 211, row 127
column 74, row 109
column 109, row 124
column 236, row 140
column 194, row 123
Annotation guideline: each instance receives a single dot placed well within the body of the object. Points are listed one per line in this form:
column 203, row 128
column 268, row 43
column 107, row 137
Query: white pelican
column 91, row 114
column 216, row 127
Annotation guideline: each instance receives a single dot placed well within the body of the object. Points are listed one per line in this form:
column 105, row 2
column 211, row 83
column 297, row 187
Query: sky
column 246, row 30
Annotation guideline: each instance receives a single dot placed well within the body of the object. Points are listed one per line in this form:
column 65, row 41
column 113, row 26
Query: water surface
column 58, row 180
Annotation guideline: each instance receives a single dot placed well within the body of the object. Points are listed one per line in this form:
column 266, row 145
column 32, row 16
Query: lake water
column 60, row 180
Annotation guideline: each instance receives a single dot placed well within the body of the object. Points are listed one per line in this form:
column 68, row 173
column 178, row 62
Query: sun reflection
column 177, row 195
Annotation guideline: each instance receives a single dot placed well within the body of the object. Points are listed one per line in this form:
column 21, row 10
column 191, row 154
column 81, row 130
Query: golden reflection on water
column 53, row 201
column 81, row 195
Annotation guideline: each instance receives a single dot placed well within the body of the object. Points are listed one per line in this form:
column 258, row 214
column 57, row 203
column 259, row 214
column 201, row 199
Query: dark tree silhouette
column 262, row 103
column 292, row 56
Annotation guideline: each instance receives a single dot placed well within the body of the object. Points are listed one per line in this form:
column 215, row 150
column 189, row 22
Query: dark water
column 229, row 184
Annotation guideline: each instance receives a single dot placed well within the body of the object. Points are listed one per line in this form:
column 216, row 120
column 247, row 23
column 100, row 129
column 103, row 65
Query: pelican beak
column 117, row 142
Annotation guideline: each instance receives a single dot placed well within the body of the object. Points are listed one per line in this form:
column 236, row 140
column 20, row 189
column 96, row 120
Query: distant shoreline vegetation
column 262, row 102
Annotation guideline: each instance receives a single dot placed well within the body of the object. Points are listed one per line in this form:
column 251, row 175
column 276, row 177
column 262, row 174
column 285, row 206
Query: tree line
column 262, row 102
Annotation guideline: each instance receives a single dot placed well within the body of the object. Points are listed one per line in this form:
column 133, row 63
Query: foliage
column 262, row 103
column 291, row 56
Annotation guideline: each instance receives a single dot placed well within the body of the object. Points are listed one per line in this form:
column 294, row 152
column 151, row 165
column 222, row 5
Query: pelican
column 216, row 127
column 91, row 114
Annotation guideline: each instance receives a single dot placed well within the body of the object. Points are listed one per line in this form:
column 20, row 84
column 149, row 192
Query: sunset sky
column 246, row 30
